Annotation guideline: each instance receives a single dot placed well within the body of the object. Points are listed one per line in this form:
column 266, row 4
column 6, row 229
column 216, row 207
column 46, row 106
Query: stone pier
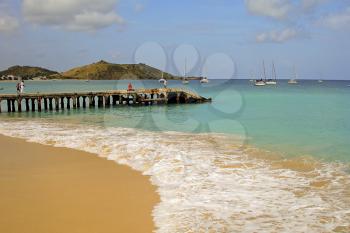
column 106, row 99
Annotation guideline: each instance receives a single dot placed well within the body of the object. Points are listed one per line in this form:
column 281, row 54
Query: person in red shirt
column 130, row 88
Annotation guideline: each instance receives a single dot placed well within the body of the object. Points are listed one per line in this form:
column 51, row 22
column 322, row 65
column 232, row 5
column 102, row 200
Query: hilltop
column 103, row 70
column 26, row 72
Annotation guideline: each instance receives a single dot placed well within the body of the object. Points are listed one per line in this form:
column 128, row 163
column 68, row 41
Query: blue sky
column 218, row 38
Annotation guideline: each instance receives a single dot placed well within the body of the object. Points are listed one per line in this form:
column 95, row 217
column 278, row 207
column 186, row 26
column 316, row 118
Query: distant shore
column 101, row 70
column 46, row 189
column 75, row 79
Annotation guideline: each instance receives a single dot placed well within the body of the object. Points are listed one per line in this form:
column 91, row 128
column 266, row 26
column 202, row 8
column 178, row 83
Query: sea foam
column 210, row 182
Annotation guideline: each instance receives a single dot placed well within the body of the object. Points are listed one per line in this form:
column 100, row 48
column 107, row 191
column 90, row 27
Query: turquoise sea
column 310, row 118
column 256, row 159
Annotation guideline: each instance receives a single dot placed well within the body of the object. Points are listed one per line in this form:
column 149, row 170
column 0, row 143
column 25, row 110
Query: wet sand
column 45, row 189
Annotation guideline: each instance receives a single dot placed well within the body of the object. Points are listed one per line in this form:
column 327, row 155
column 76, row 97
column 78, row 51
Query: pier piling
column 68, row 103
column 92, row 101
column 19, row 104
column 13, row 105
column 84, row 101
column 45, row 104
column 50, row 104
column 9, row 105
column 74, row 102
column 33, row 105
column 39, row 104
column 27, row 105
column 57, row 103
column 62, row 102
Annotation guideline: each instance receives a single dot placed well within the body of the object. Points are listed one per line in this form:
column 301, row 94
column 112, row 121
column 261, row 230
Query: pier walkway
column 71, row 100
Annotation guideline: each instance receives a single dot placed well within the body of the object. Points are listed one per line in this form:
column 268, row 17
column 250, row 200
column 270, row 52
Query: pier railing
column 74, row 100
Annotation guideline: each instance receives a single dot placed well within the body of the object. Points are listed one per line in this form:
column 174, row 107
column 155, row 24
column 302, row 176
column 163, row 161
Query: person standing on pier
column 18, row 87
column 21, row 87
column 130, row 88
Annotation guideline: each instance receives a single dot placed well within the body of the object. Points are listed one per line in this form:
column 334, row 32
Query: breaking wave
column 209, row 182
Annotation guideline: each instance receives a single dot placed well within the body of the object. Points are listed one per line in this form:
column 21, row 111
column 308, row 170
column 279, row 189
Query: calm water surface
column 308, row 119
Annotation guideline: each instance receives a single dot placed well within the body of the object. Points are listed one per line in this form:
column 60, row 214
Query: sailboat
column 294, row 80
column 261, row 82
column 185, row 80
column 87, row 78
column 162, row 80
column 204, row 80
column 272, row 81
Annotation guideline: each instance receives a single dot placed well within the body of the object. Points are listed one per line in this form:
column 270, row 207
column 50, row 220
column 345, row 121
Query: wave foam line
column 208, row 184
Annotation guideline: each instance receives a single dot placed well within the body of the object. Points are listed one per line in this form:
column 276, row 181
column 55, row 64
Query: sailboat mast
column 264, row 70
column 185, row 71
column 274, row 70
column 295, row 72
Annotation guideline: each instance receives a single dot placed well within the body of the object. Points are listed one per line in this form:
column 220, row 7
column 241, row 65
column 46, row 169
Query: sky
column 215, row 38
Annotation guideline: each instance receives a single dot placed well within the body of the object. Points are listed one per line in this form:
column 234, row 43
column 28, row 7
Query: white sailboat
column 162, row 80
column 294, row 80
column 274, row 80
column 185, row 80
column 87, row 78
column 261, row 82
column 204, row 79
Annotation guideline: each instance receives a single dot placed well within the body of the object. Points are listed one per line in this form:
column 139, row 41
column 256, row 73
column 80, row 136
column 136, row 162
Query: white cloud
column 277, row 9
column 8, row 24
column 277, row 36
column 78, row 15
column 93, row 20
column 311, row 4
column 338, row 20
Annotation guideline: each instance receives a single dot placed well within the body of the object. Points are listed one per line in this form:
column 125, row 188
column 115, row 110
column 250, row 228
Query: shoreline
column 189, row 182
column 51, row 189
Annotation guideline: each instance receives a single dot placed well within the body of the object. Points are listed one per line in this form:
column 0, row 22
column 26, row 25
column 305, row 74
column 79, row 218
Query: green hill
column 27, row 72
column 103, row 70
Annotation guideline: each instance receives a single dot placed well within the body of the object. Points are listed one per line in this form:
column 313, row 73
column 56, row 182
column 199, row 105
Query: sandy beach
column 46, row 189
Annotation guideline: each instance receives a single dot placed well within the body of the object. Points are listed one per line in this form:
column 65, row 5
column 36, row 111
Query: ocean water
column 256, row 159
